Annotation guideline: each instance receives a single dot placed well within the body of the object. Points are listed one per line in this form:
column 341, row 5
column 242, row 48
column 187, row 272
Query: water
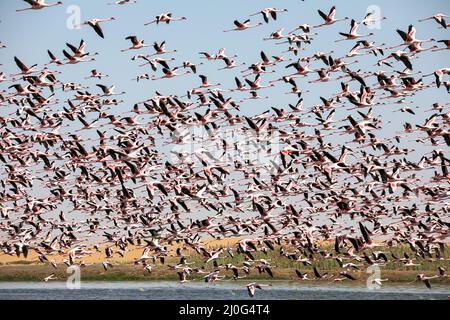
column 218, row 291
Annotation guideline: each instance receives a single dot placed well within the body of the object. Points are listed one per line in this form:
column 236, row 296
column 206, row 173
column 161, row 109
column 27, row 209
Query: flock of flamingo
column 79, row 176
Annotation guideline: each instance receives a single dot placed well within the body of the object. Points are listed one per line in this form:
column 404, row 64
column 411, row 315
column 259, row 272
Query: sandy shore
column 122, row 272
column 13, row 268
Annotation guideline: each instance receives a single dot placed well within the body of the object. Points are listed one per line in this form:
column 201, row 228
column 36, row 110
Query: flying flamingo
column 241, row 26
column 153, row 62
column 255, row 85
column 401, row 56
column 160, row 49
column 165, row 17
column 39, row 4
column 409, row 37
column 74, row 59
column 108, row 91
column 304, row 27
column 324, row 76
column 416, row 47
column 122, row 2
column 136, row 43
column 81, row 50
column 269, row 12
column 96, row 74
column 330, row 18
column 221, row 54
column 439, row 18
column 352, row 34
column 369, row 19
column 54, row 59
column 446, row 43
column 95, row 24
column 50, row 277
column 206, row 83
column 439, row 75
column 230, row 64
column 170, row 74
column 24, row 69
column 251, row 288
column 276, row 35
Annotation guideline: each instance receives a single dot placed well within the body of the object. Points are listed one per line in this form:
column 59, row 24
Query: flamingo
column 39, row 4
column 256, row 84
column 352, row 33
column 330, row 18
column 74, row 59
column 80, row 52
column 95, row 24
column 96, row 74
column 416, row 47
column 439, row 18
column 251, row 288
column 304, row 27
column 300, row 70
column 153, row 62
column 106, row 265
column 50, row 277
column 165, row 17
column 369, row 46
column 399, row 56
column 122, row 2
column 108, row 91
column 136, row 43
column 324, row 76
column 23, row 91
column 241, row 26
column 253, row 96
column 230, row 64
column 206, row 83
column 425, row 279
column 257, row 68
column 160, row 49
column 54, row 59
column 276, row 35
column 207, row 56
column 25, row 70
column 409, row 37
column 141, row 77
column 446, row 43
column 269, row 12
column 221, row 54
column 439, row 75
column 190, row 65
column 276, row 59
column 168, row 73
column 369, row 19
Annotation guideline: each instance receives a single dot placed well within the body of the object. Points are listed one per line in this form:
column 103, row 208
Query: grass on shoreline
column 128, row 273
column 124, row 269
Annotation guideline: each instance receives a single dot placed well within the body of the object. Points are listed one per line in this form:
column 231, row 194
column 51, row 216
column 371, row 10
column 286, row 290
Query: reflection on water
column 224, row 290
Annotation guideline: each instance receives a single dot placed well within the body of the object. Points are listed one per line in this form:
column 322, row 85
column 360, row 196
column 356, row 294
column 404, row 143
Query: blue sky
column 28, row 35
